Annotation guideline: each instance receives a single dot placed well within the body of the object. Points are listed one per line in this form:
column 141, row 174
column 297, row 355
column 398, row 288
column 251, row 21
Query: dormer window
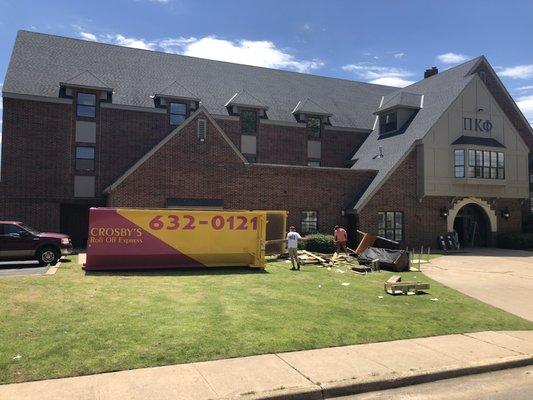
column 388, row 123
column 86, row 105
column 314, row 127
column 178, row 113
column 248, row 121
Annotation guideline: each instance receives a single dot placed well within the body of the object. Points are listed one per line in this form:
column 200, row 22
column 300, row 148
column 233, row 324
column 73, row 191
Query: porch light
column 505, row 213
column 444, row 212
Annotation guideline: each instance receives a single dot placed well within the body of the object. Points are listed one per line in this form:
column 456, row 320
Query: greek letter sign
column 477, row 125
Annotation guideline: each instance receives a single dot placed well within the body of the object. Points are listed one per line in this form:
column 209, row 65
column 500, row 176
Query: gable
column 474, row 121
column 183, row 144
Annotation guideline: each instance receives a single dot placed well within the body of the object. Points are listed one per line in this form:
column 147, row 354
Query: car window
column 11, row 228
column 30, row 229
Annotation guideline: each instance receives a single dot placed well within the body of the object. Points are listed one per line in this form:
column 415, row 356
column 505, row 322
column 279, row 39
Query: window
column 309, row 221
column 313, row 163
column 84, row 158
column 486, row 164
column 178, row 113
column 248, row 121
column 531, row 203
column 314, row 127
column 387, row 123
column 459, row 162
column 390, row 225
column 86, row 105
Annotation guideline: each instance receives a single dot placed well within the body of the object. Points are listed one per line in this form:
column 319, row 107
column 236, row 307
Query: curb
column 351, row 387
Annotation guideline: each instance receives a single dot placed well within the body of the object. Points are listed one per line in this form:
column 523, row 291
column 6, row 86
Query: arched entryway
column 472, row 226
column 474, row 221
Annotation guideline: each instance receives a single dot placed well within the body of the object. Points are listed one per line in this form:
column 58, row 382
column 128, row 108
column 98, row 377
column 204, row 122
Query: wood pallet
column 394, row 286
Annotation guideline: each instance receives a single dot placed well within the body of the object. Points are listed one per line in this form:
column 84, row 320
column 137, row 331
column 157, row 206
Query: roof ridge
column 204, row 59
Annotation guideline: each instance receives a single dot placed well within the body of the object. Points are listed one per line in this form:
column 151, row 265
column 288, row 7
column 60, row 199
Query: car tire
column 48, row 256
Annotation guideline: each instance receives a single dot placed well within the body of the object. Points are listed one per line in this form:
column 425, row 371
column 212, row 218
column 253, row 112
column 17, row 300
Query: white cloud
column 452, row 58
column 525, row 103
column 390, row 76
column 399, row 55
column 522, row 88
column 88, row 36
column 518, row 72
column 262, row 53
column 127, row 41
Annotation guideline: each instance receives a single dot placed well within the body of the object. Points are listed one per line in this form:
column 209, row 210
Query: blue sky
column 388, row 42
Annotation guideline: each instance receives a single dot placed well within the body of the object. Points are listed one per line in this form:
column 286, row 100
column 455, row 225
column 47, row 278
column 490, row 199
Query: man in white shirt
column 292, row 246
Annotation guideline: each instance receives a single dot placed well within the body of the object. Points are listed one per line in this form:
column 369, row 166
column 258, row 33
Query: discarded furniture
column 394, row 286
column 369, row 240
column 396, row 260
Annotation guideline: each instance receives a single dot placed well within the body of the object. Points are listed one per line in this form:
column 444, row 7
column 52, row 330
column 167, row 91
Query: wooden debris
column 308, row 253
column 394, row 285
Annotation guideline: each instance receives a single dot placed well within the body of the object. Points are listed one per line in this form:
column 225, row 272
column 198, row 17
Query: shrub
column 517, row 241
column 319, row 243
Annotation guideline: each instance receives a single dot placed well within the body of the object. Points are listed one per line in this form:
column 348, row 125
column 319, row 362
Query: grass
column 74, row 324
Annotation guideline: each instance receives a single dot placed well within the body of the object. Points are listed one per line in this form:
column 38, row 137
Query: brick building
column 89, row 124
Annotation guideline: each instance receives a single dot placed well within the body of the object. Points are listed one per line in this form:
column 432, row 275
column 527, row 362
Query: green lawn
column 73, row 324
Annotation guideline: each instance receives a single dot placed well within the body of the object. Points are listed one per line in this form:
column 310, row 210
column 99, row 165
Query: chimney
column 430, row 72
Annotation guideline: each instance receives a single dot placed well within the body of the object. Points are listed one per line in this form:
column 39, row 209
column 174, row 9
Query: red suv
column 21, row 242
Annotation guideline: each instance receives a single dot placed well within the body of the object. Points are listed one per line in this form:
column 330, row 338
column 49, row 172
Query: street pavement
column 502, row 278
column 18, row 268
column 310, row 374
column 510, row 384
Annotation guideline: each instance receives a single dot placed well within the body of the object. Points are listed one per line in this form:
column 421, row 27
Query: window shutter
column 202, row 129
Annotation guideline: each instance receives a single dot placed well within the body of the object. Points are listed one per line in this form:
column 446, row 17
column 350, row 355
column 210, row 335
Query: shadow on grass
column 179, row 272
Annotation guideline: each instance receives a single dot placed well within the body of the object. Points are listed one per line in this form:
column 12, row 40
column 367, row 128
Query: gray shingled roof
column 39, row 62
column 243, row 98
column 308, row 106
column 400, row 98
column 439, row 92
column 87, row 79
column 176, row 90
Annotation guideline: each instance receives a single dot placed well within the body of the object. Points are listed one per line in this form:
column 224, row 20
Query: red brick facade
column 187, row 168
column 38, row 169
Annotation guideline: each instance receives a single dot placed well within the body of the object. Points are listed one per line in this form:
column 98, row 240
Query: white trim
column 422, row 101
column 133, row 108
column 491, row 214
column 168, row 138
column 32, row 97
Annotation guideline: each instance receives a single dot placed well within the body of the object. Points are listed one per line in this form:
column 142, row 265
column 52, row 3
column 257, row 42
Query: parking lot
column 502, row 278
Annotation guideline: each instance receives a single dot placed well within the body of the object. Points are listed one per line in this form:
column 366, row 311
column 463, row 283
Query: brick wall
column 36, row 149
column 125, row 137
column 187, row 168
column 422, row 220
column 279, row 144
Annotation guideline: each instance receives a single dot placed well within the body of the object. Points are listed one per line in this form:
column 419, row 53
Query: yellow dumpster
column 121, row 238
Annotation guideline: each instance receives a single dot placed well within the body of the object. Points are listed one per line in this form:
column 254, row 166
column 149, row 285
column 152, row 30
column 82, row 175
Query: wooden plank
column 308, row 253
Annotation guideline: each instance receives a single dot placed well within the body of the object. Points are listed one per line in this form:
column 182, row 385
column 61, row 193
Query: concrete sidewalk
column 311, row 374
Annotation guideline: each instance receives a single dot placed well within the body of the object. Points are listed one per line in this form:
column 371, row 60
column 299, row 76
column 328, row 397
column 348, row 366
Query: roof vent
column 202, row 129
column 430, row 72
